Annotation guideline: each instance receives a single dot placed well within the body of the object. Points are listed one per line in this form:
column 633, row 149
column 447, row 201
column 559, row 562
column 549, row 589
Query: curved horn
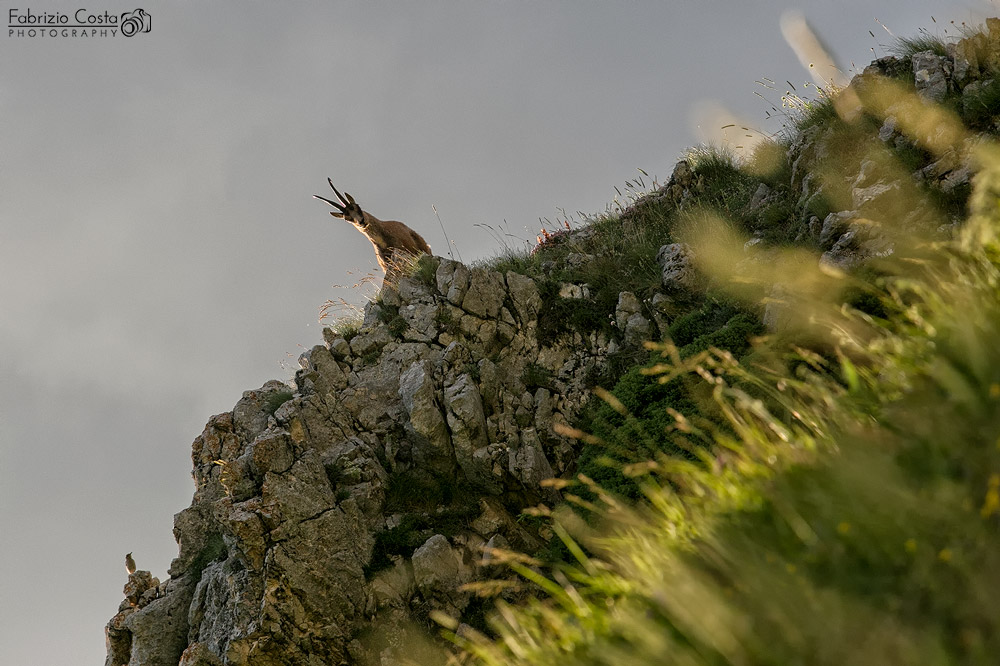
column 339, row 195
column 332, row 203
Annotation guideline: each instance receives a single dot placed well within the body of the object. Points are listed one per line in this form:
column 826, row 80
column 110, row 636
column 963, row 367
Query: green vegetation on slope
column 832, row 494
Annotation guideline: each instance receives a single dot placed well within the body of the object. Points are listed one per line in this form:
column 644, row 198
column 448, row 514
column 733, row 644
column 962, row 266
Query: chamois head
column 347, row 209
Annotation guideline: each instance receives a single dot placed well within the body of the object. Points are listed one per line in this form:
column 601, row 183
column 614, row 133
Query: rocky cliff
column 365, row 493
column 333, row 512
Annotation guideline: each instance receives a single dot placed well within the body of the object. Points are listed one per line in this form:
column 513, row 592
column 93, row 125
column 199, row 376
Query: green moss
column 535, row 376
column 711, row 316
column 559, row 316
column 734, row 336
column 276, row 400
column 214, row 549
column 414, row 489
column 981, row 106
column 429, row 506
column 389, row 315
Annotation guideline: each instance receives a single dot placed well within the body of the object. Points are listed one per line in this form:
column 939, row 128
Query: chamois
column 393, row 241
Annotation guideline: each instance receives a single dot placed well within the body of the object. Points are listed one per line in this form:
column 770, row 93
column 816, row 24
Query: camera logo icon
column 134, row 22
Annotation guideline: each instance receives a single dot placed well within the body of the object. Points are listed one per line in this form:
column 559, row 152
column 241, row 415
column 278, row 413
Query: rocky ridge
column 366, row 493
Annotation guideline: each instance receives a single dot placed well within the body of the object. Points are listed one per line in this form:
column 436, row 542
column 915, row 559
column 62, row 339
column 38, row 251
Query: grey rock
column 438, row 571
column 931, row 74
column 435, row 564
column 676, row 261
column 486, row 294
column 160, row 630
column 412, row 289
column 855, row 246
column 214, row 612
column 372, row 312
column 421, row 321
column 760, row 197
column 574, row 291
column 496, row 542
column 778, row 312
column 528, row 463
column 393, row 587
column 889, row 129
column 662, row 307
column 467, row 423
column 525, row 297
column 815, row 227
column 577, row 259
column 273, row 549
column 873, row 195
column 339, row 347
column 965, row 61
column 328, row 375
column 834, row 226
column 251, row 413
column 370, row 339
column 628, row 305
column 388, row 296
column 958, row 178
column 682, row 173
column 629, row 319
column 426, row 423
column 452, row 280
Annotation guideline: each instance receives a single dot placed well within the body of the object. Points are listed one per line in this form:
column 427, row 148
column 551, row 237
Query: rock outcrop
column 366, row 492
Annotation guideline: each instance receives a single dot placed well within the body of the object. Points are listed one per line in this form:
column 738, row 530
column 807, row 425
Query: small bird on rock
column 129, row 564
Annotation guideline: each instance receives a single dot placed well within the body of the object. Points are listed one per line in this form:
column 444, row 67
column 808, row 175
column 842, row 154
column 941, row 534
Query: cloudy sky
column 160, row 252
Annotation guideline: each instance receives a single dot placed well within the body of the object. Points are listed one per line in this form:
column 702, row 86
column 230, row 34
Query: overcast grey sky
column 160, row 252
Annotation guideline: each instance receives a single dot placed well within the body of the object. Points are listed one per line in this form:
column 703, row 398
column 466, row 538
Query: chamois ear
column 339, row 215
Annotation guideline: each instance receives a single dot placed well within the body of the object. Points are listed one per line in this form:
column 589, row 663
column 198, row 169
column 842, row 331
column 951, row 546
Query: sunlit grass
column 838, row 500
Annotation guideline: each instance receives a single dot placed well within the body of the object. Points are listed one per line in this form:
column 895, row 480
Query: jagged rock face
column 318, row 509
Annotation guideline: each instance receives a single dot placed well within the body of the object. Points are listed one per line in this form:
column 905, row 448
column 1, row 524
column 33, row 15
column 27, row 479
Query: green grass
column 980, row 109
column 823, row 497
column 827, row 495
column 425, row 270
column 815, row 112
column 849, row 516
column 632, row 424
column 389, row 315
column 906, row 47
column 347, row 326
column 429, row 505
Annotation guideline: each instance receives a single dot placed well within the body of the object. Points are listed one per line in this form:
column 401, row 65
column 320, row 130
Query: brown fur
column 394, row 242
